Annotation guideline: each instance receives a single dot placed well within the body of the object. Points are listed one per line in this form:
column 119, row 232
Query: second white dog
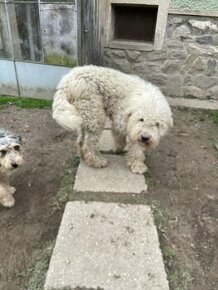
column 138, row 110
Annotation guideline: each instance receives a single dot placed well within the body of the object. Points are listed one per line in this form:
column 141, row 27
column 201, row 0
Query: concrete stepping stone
column 106, row 246
column 194, row 103
column 115, row 178
column 106, row 142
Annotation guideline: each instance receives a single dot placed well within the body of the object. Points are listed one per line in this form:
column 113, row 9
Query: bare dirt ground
column 184, row 172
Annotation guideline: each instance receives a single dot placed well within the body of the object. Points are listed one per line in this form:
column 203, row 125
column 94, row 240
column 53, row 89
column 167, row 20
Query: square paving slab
column 106, row 142
column 106, row 246
column 115, row 178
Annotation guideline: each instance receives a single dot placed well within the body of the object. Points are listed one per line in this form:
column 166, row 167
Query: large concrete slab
column 115, row 178
column 194, row 103
column 106, row 142
column 105, row 246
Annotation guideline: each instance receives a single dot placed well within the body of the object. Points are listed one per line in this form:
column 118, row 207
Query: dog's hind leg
column 79, row 143
column 90, row 154
column 94, row 118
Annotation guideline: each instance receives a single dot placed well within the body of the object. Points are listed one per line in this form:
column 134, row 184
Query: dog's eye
column 157, row 124
column 17, row 148
column 141, row 120
column 3, row 152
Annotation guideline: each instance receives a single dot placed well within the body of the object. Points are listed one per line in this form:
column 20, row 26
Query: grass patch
column 202, row 114
column 169, row 254
column 24, row 103
column 148, row 179
column 158, row 211
column 68, row 181
column 160, row 217
column 180, row 280
column 213, row 115
column 38, row 271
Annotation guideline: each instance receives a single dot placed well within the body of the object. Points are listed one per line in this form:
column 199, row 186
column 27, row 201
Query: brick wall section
column 186, row 66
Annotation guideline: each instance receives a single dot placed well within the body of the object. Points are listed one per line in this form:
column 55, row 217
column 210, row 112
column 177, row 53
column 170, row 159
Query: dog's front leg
column 6, row 197
column 135, row 158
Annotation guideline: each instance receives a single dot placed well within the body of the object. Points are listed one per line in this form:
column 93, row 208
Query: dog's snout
column 145, row 137
column 14, row 164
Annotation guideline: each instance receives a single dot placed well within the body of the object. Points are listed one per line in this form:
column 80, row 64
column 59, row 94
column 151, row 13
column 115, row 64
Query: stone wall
column 186, row 66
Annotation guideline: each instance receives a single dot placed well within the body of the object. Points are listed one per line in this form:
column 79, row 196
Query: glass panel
column 5, row 45
column 59, row 33
column 24, row 20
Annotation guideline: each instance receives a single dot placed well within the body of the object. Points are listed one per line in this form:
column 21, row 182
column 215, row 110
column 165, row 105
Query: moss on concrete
column 60, row 60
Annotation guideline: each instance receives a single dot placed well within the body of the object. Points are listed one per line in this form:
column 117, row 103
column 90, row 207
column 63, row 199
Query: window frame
column 160, row 29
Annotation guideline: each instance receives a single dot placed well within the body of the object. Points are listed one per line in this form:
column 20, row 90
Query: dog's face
column 147, row 129
column 11, row 156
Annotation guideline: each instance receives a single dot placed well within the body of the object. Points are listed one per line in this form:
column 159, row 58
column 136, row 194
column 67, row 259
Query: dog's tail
column 64, row 113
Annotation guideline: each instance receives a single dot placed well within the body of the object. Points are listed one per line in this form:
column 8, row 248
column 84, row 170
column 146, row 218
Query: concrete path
column 106, row 246
column 194, row 103
column 115, row 178
column 106, row 142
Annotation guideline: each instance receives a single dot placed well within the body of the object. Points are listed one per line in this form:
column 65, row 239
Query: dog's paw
column 96, row 161
column 138, row 167
column 100, row 162
column 8, row 202
column 13, row 190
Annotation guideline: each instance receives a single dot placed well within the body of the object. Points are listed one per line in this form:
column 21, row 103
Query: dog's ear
column 127, row 115
column 165, row 126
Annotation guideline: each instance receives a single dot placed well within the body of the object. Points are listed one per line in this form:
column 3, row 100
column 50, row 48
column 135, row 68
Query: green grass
column 148, row 179
column 68, row 181
column 213, row 115
column 201, row 114
column 180, row 280
column 60, row 60
column 38, row 271
column 24, row 103
column 158, row 211
column 169, row 253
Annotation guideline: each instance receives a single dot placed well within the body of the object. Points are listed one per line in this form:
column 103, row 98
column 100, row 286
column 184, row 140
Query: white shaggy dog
column 138, row 110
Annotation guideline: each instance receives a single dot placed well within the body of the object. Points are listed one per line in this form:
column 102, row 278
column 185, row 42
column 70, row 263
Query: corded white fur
column 86, row 95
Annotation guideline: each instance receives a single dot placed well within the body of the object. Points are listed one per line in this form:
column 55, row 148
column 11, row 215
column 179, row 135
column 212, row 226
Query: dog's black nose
column 14, row 165
column 145, row 137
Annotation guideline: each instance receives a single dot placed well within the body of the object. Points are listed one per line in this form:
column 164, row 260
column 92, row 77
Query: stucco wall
column 195, row 5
